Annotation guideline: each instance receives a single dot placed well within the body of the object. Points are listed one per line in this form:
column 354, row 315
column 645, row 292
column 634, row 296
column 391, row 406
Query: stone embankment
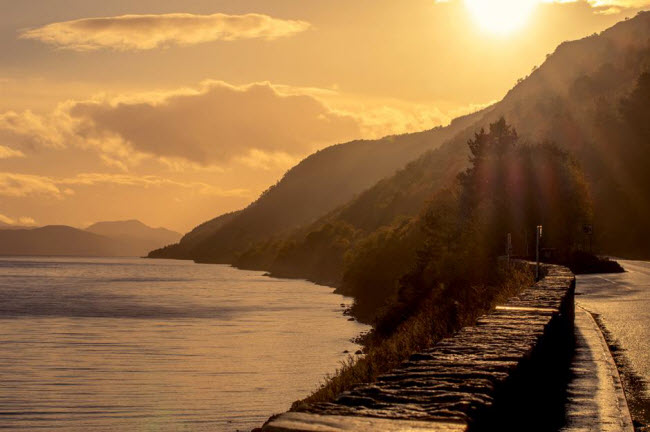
column 508, row 372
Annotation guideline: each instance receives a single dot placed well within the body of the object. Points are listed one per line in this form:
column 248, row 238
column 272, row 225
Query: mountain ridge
column 571, row 99
column 549, row 105
column 114, row 238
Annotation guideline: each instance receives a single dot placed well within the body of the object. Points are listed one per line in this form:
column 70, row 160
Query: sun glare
column 501, row 16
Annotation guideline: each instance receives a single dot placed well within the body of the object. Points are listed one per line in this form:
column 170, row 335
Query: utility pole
column 508, row 246
column 539, row 236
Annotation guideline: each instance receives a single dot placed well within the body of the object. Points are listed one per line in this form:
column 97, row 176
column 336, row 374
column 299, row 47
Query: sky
column 175, row 111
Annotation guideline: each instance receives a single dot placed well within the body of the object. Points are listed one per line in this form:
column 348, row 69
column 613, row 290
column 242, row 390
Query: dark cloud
column 219, row 123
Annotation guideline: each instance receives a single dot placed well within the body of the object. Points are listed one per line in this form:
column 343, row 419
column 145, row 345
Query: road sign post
column 538, row 236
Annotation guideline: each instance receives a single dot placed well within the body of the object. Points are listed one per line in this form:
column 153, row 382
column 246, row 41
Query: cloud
column 143, row 32
column 26, row 185
column 7, row 152
column 26, row 221
column 611, row 7
column 604, row 7
column 608, row 7
column 624, row 4
column 217, row 123
column 32, row 131
column 147, row 181
column 20, row 221
column 214, row 125
column 23, row 185
column 258, row 159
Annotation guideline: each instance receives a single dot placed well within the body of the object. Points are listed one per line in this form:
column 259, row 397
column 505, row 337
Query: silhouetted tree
column 508, row 188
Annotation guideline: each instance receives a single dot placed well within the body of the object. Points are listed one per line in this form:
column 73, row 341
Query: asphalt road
column 622, row 303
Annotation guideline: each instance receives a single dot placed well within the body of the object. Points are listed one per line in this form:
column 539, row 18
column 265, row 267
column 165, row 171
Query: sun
column 501, row 17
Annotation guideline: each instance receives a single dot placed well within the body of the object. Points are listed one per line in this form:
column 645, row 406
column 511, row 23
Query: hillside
column 576, row 99
column 189, row 241
column 317, row 185
column 589, row 97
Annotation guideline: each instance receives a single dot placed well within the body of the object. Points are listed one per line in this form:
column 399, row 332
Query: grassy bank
column 443, row 312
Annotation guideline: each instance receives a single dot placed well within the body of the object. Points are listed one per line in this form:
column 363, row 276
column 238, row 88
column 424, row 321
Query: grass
column 440, row 315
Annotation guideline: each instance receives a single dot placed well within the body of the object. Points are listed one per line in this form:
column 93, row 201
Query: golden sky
column 175, row 111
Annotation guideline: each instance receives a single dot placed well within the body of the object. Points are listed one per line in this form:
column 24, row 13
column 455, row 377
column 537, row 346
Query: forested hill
column 317, row 185
column 189, row 241
column 591, row 97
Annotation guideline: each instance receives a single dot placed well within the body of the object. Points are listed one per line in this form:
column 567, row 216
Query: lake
column 159, row 345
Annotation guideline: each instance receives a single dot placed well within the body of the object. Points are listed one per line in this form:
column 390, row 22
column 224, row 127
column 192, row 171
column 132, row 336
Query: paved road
column 623, row 303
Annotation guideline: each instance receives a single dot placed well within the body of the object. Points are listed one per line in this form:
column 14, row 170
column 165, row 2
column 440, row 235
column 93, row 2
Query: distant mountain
column 134, row 236
column 317, row 185
column 126, row 238
column 56, row 240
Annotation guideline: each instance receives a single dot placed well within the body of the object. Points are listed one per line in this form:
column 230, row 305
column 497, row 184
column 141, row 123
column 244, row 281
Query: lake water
column 156, row 345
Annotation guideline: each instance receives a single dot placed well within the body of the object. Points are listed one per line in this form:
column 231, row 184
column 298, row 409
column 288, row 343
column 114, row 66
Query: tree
column 508, row 188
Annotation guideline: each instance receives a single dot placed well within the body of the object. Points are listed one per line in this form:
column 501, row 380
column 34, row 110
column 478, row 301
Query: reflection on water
column 149, row 345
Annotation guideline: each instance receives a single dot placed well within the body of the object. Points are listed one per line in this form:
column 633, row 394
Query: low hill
column 121, row 238
column 136, row 238
column 56, row 240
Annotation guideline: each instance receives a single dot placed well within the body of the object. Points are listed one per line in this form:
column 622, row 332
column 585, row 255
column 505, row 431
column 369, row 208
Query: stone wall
column 508, row 372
